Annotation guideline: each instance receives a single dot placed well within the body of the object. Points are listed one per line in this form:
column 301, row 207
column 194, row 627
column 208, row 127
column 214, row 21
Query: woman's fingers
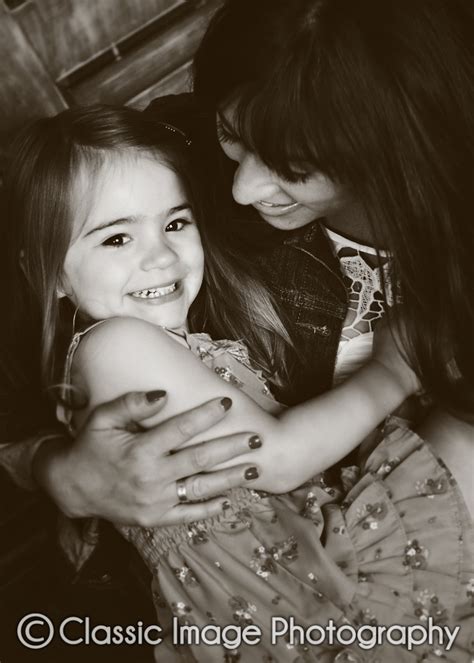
column 204, row 486
column 208, row 487
column 205, row 456
column 129, row 408
column 174, row 432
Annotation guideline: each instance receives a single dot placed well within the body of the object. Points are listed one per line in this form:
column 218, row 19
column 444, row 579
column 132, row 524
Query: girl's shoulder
column 119, row 331
column 122, row 351
column 120, row 355
column 122, row 339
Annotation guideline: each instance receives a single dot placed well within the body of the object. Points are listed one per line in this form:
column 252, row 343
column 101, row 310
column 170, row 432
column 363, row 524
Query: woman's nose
column 158, row 254
column 253, row 181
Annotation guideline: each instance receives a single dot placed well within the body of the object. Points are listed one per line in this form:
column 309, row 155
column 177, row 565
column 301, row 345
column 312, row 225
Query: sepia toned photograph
column 237, row 348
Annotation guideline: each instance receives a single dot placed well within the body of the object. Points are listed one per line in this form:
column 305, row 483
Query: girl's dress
column 391, row 544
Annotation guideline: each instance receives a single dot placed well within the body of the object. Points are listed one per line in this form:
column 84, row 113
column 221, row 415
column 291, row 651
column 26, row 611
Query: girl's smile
column 156, row 292
column 138, row 252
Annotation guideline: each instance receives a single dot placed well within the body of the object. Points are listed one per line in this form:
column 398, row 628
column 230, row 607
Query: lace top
column 367, row 303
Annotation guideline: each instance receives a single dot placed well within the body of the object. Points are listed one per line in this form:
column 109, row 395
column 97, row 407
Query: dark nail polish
column 251, row 473
column 255, row 442
column 226, row 403
column 153, row 396
column 225, row 505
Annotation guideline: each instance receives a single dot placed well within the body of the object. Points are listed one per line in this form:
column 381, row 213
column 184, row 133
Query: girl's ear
column 63, row 287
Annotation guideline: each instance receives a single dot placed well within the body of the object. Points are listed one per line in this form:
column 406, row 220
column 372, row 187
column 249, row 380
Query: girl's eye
column 116, row 241
column 176, row 225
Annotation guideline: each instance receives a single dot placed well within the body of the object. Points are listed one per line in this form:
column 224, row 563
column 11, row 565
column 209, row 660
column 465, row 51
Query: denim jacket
column 305, row 279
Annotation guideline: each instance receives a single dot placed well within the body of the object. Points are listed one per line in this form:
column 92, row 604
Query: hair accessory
column 175, row 130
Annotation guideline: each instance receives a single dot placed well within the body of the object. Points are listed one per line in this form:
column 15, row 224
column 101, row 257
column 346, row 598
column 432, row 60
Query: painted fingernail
column 251, row 473
column 255, row 442
column 226, row 403
column 153, row 396
column 225, row 505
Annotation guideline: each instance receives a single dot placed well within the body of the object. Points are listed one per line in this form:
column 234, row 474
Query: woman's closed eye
column 117, row 241
column 296, row 177
column 225, row 136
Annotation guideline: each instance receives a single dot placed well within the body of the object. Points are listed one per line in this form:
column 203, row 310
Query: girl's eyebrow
column 134, row 219
column 108, row 224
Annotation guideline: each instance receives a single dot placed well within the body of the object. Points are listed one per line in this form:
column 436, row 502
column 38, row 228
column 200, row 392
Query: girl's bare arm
column 126, row 354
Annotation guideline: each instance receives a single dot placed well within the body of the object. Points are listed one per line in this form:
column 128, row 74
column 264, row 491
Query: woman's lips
column 275, row 209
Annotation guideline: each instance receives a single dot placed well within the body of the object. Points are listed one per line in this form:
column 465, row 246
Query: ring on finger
column 181, row 491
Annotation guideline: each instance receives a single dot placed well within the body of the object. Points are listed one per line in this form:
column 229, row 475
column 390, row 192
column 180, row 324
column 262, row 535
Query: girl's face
column 284, row 205
column 136, row 249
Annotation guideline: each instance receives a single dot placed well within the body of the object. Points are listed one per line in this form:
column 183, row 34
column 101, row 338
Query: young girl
column 104, row 215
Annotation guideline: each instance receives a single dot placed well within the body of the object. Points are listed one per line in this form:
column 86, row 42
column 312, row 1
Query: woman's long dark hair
column 380, row 97
column 37, row 228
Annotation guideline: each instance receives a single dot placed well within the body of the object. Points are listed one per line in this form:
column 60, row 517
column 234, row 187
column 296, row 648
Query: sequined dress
column 391, row 544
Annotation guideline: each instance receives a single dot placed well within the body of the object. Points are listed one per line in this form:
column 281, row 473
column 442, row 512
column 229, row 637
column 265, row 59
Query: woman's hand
column 130, row 477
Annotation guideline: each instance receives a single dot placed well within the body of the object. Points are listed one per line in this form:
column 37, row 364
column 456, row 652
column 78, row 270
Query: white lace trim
column 367, row 303
column 336, row 238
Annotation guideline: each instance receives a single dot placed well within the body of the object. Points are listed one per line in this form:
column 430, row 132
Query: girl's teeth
column 155, row 292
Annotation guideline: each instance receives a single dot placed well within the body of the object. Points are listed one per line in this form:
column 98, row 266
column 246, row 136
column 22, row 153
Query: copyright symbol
column 43, row 627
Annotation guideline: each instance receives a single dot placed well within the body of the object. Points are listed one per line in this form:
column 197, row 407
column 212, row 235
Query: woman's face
column 136, row 249
column 283, row 204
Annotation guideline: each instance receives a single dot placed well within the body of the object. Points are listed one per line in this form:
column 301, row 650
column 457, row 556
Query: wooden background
column 57, row 53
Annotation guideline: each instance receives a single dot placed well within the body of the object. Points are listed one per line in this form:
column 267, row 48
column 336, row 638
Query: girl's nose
column 253, row 181
column 158, row 254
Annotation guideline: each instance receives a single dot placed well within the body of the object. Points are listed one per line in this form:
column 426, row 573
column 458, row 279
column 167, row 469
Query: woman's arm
column 128, row 354
column 17, row 458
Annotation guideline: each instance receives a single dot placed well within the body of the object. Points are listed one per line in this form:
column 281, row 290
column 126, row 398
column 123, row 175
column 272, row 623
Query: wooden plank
column 67, row 33
column 138, row 70
column 176, row 82
column 26, row 89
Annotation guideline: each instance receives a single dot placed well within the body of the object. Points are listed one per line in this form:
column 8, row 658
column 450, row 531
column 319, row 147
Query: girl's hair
column 380, row 97
column 38, row 224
